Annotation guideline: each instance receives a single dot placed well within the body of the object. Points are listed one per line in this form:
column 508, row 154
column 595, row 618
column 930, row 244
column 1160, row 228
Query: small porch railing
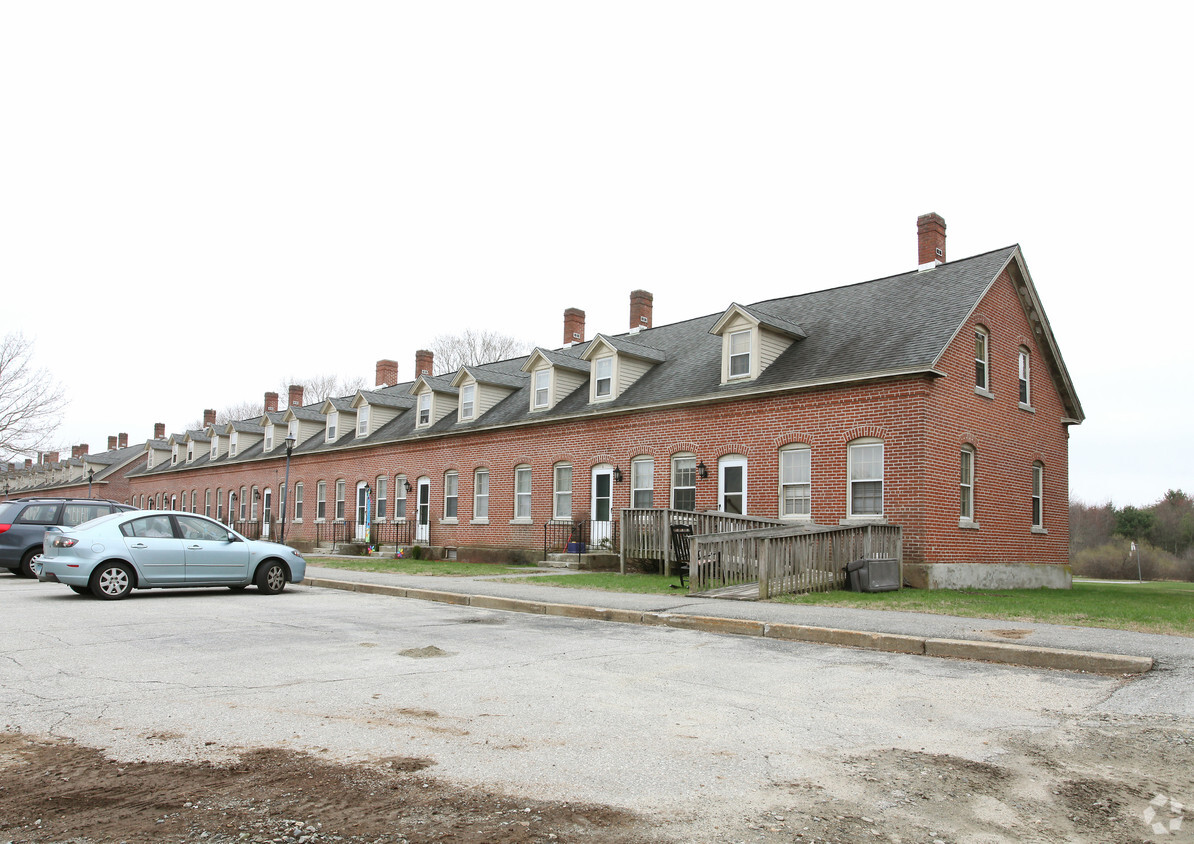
column 646, row 533
column 380, row 533
column 583, row 535
column 788, row 559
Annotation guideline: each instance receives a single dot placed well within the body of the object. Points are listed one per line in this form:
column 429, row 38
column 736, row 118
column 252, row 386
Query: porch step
column 562, row 561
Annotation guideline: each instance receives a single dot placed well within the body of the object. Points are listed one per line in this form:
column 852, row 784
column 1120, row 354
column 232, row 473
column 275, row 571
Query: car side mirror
column 232, row 537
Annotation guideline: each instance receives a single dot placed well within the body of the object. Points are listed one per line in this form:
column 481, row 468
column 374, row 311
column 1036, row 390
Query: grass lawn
column 1147, row 607
column 441, row 568
column 608, row 581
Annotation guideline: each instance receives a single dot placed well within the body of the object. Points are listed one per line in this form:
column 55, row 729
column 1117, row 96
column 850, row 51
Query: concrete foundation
column 987, row 576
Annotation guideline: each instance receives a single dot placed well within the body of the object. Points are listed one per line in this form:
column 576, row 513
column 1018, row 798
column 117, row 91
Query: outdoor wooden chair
column 680, row 556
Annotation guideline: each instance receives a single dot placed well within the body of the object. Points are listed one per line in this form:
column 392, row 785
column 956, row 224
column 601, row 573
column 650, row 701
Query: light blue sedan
column 159, row 549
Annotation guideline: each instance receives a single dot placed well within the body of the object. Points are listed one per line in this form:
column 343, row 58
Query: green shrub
column 416, row 552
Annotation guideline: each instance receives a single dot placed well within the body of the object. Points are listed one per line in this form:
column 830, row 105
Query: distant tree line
column 1101, row 538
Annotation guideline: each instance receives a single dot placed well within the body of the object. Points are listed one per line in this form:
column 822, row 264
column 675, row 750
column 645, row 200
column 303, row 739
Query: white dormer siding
column 484, row 394
column 432, row 405
column 750, row 344
column 614, row 368
column 304, row 426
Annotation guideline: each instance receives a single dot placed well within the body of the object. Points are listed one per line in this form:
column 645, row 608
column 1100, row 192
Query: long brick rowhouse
column 936, row 399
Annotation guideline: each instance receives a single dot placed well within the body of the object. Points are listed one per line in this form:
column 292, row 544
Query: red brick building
column 937, row 400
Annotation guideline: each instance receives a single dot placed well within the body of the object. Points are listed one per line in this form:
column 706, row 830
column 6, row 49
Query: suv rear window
column 39, row 514
column 76, row 514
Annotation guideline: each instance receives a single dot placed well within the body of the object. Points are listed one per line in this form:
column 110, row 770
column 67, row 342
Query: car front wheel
column 271, row 578
column 112, row 581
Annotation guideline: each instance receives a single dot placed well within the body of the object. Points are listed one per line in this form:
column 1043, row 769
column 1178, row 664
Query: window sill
column 522, row 521
column 1040, row 530
column 986, row 394
column 798, row 519
column 449, row 521
column 967, row 524
column 479, row 521
column 1027, row 407
column 296, row 521
column 853, row 521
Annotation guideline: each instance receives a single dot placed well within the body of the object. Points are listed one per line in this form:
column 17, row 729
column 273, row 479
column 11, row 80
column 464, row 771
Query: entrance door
column 267, row 511
column 732, row 496
column 363, row 503
column 602, row 529
column 423, row 527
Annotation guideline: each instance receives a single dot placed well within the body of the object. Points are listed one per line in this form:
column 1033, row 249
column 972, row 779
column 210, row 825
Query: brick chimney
column 111, row 443
column 930, row 241
column 159, row 430
column 122, row 441
column 640, row 309
column 209, row 417
column 271, row 402
column 387, row 373
column 83, row 449
column 52, row 457
column 74, row 452
column 296, row 395
column 28, row 462
column 424, row 362
column 574, row 326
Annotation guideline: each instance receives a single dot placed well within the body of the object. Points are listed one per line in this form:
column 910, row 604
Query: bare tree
column 31, row 402
column 474, row 347
column 320, row 387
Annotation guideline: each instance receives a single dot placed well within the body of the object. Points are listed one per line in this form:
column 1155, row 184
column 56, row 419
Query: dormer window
column 269, row 438
column 232, row 444
column 603, row 377
column 190, row 452
column 740, row 354
column 292, row 430
column 173, row 455
column 542, row 387
column 468, row 401
column 333, row 420
column 425, row 409
column 149, row 460
column 215, row 446
column 363, row 421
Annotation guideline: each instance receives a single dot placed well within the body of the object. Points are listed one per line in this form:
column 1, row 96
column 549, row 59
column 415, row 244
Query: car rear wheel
column 112, row 581
column 271, row 578
column 80, row 590
column 26, row 567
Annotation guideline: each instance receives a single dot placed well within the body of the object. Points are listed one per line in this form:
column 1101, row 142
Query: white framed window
column 268, row 443
column 981, row 360
column 562, row 492
column 424, row 409
column 174, row 455
column 340, row 500
column 400, row 498
column 642, row 482
column 966, row 484
column 381, row 485
column 194, row 501
column 244, row 504
column 149, row 459
column 542, row 387
column 215, row 446
column 190, row 451
column 292, row 430
column 207, row 503
column 451, row 494
column 740, row 354
column 684, row 482
column 1025, row 378
column 321, row 501
column 732, row 484
column 253, row 499
column 332, row 421
column 298, row 501
column 267, row 505
column 174, row 502
column 603, row 378
column 1038, row 495
column 468, row 401
column 481, row 495
column 865, row 495
column 232, row 444
column 522, row 493
column 219, row 504
column 363, row 421
column 795, row 482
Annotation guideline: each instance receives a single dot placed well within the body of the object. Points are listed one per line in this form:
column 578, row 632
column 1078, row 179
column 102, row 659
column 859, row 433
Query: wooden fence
column 646, row 534
column 792, row 558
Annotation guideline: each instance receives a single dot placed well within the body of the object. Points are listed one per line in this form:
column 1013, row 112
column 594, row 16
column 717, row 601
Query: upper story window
column 215, row 446
column 795, row 482
column 190, row 452
column 562, row 498
column 966, row 484
column 865, row 494
column 268, row 445
column 542, row 387
column 173, row 454
column 603, row 377
column 292, row 430
column 468, row 401
column 1025, row 378
column 981, row 360
column 425, row 409
column 333, row 421
column 642, row 482
column 740, row 354
column 149, row 459
column 232, row 444
column 684, row 482
column 363, row 421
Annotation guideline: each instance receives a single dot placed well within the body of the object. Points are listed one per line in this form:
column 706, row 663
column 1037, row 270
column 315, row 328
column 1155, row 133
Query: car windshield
column 78, row 512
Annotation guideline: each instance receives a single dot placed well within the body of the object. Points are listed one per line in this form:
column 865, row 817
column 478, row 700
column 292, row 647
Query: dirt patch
column 429, row 652
column 1013, row 634
column 60, row 792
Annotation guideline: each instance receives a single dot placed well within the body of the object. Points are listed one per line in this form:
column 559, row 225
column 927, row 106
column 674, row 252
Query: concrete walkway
column 1023, row 643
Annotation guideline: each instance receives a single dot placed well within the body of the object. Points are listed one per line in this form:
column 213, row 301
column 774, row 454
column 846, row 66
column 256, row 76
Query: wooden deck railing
column 645, row 533
column 792, row 558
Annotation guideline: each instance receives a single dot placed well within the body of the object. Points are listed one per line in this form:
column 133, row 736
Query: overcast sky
column 198, row 201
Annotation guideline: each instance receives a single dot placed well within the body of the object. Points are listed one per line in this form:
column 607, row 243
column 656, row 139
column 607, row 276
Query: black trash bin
column 880, row 574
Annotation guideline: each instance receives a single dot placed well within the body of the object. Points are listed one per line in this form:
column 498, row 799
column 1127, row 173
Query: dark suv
column 23, row 522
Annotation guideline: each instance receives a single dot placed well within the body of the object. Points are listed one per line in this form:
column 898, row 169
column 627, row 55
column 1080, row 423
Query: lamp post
column 286, row 484
column 90, row 478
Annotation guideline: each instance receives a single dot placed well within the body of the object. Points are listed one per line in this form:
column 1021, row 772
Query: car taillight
column 4, row 528
column 64, row 542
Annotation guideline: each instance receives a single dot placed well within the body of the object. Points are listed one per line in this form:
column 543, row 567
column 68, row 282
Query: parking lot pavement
column 657, row 720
